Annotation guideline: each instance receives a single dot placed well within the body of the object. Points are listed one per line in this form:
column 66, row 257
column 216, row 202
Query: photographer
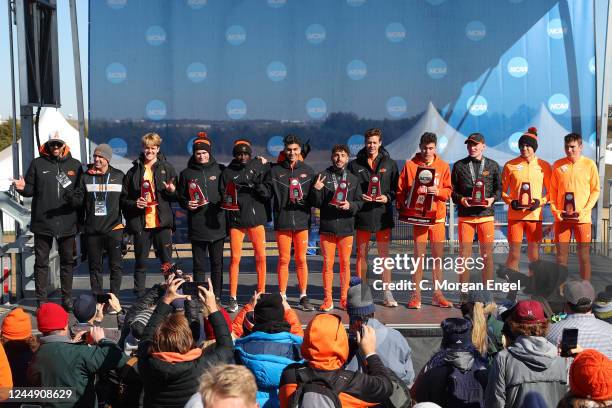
column 89, row 312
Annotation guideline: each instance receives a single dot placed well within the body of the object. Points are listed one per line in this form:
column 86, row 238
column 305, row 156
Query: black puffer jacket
column 207, row 223
column 252, row 196
column 52, row 210
column 103, row 187
column 288, row 215
column 134, row 216
column 461, row 179
column 169, row 384
column 375, row 216
column 334, row 220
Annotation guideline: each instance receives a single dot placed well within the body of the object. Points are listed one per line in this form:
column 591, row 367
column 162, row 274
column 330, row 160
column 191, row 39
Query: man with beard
column 373, row 165
column 337, row 193
column 245, row 176
column 148, row 190
column 198, row 193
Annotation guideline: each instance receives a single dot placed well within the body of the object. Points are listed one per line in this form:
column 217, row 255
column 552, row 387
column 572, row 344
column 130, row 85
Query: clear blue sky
column 67, row 87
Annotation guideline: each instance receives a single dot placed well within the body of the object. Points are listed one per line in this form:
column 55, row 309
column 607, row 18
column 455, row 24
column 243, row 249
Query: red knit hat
column 17, row 325
column 50, row 317
column 591, row 376
column 208, row 329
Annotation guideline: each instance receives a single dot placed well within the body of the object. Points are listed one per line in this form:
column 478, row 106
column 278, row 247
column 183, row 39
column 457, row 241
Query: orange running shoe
column 327, row 306
column 439, row 300
column 415, row 301
column 342, row 304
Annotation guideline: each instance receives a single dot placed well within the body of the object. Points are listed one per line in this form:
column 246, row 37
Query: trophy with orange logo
column 418, row 208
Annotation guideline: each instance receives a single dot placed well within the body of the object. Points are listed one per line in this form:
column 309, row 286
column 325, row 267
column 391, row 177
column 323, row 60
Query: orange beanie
column 17, row 325
column 591, row 376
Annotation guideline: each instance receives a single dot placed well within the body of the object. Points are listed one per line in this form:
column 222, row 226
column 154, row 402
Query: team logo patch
column 383, row 170
column 485, row 173
column 212, row 178
column 564, row 168
column 303, row 175
column 71, row 173
column 163, row 171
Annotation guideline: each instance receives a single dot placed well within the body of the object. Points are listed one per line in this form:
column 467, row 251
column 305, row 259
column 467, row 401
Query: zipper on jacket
column 292, row 210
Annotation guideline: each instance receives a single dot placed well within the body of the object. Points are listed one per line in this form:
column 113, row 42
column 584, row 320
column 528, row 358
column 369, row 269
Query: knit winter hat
column 104, row 150
column 242, row 146
column 17, row 325
column 269, row 308
column 591, row 376
column 208, row 329
column 84, row 308
column 530, row 138
column 202, row 142
column 456, row 333
column 359, row 301
column 50, row 317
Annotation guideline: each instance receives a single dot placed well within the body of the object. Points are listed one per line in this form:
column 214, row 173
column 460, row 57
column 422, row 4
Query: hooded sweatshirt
column 207, row 223
column 531, row 364
column 325, row 348
column 442, row 179
column 52, row 210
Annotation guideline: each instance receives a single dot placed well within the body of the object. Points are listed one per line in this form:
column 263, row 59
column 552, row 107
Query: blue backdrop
column 329, row 69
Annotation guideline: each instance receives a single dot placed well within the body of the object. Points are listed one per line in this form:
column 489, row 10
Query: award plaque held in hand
column 418, row 209
column 525, row 200
column 569, row 207
column 146, row 192
column 340, row 194
column 374, row 187
column 196, row 194
column 478, row 198
column 295, row 190
column 230, row 199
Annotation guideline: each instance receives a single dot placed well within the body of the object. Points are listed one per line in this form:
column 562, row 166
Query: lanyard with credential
column 336, row 181
column 105, row 188
column 480, row 170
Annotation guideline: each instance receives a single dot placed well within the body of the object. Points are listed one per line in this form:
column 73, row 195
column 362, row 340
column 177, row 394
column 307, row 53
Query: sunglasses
column 56, row 145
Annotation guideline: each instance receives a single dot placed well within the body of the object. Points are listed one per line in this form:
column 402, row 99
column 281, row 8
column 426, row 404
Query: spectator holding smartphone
column 89, row 312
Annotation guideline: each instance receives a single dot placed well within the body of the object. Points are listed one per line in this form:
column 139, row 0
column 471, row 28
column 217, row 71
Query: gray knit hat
column 104, row 150
column 359, row 299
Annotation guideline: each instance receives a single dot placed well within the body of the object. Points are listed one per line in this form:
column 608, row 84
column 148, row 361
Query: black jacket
column 134, row 216
column 288, row 215
column 206, row 223
column 252, row 196
column 375, row 216
column 106, row 187
column 334, row 220
column 52, row 210
column 461, row 179
column 172, row 384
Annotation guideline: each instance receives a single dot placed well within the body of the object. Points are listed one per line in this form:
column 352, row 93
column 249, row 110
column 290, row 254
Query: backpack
column 463, row 389
column 314, row 391
column 400, row 398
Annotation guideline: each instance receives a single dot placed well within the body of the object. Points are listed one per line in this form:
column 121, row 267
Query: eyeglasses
column 56, row 145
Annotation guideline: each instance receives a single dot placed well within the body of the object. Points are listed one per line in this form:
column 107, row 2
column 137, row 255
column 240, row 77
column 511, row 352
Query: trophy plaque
column 525, row 200
column 230, row 200
column 196, row 194
column 295, row 190
column 146, row 192
column 478, row 198
column 569, row 207
column 418, row 209
column 340, row 193
column 374, row 187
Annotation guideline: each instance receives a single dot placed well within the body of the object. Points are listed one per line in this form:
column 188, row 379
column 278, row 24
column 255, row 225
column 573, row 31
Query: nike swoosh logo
column 46, row 171
column 235, row 177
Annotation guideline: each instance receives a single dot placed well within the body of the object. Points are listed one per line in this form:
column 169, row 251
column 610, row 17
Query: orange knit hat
column 17, row 325
column 591, row 376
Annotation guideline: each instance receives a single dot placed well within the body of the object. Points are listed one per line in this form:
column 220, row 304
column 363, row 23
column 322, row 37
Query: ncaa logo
column 558, row 104
column 518, row 67
column 396, row 106
column 436, row 68
column 425, row 176
column 155, row 35
column 592, row 65
column 513, row 142
column 116, row 73
column 556, row 29
column 196, row 4
column 277, row 71
column 118, row 145
column 277, row 3
column 355, row 144
column 395, row 32
column 475, row 30
column 315, row 34
column 316, row 108
column 442, row 143
column 116, row 4
column 356, row 70
column 196, row 72
column 235, row 35
column 275, row 145
column 477, row 105
column 156, row 109
column 355, row 3
column 236, row 109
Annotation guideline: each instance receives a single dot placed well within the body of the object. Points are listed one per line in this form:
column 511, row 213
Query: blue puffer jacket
column 267, row 355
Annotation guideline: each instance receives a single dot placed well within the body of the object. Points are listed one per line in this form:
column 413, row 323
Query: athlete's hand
column 383, row 199
column 490, row 201
column 345, row 205
column 169, row 186
column 366, row 197
column 433, row 190
column 19, row 183
column 465, row 202
column 320, row 182
column 192, row 205
column 141, row 202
